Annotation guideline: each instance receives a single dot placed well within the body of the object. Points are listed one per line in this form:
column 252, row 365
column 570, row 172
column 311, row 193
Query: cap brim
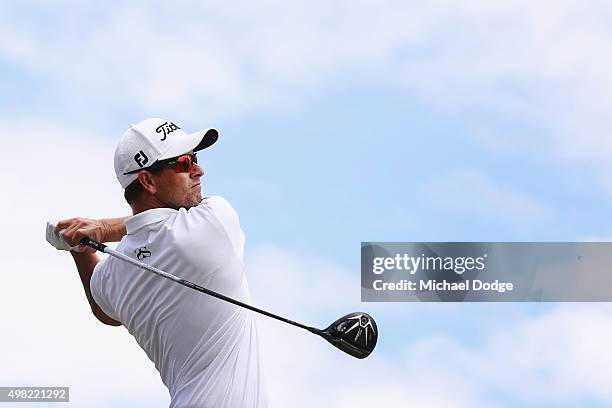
column 209, row 138
column 194, row 141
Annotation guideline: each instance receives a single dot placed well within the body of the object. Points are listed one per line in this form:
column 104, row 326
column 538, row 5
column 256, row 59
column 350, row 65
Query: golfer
column 206, row 350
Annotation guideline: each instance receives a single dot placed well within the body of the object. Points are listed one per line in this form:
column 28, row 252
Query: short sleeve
column 228, row 217
column 223, row 210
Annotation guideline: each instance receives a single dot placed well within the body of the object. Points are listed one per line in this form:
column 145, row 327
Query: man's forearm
column 104, row 230
column 85, row 263
column 114, row 229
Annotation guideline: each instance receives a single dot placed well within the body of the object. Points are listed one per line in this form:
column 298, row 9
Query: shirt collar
column 148, row 217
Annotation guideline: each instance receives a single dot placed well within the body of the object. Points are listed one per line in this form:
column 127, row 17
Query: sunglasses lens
column 183, row 163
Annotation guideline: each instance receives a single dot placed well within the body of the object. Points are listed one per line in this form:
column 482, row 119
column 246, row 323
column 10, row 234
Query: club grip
column 92, row 243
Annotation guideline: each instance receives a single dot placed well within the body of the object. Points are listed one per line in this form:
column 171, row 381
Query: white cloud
column 299, row 283
column 551, row 358
column 305, row 371
column 542, row 64
column 231, row 54
column 475, row 193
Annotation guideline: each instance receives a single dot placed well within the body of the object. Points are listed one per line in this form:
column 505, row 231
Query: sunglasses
column 181, row 164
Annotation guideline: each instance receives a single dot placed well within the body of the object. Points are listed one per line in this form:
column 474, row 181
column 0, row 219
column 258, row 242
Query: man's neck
column 146, row 202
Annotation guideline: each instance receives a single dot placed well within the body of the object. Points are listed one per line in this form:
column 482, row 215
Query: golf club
column 355, row 334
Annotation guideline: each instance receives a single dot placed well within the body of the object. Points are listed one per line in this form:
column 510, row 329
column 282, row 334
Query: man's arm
column 85, row 263
column 105, row 230
column 86, row 259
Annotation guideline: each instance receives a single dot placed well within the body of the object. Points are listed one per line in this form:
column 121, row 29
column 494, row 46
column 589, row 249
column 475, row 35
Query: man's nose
column 197, row 170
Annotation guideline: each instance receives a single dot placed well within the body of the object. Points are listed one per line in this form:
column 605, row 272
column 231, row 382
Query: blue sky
column 340, row 123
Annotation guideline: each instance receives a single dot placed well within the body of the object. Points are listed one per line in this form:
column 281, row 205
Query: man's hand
column 56, row 239
column 74, row 229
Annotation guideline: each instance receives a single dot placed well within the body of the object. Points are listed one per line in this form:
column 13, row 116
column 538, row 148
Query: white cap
column 155, row 139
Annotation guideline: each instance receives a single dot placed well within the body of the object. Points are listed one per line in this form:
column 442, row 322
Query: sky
column 340, row 122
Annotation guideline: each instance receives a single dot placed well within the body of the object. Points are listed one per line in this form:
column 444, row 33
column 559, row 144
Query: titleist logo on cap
column 166, row 128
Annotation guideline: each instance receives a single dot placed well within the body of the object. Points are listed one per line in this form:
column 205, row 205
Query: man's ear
column 148, row 182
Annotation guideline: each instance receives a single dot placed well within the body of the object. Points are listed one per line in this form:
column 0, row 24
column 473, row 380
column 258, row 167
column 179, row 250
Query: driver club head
column 355, row 334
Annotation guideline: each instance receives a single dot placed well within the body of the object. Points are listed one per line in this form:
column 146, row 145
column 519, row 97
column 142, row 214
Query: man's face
column 181, row 189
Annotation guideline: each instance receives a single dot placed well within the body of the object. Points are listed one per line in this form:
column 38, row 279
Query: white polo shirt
column 206, row 350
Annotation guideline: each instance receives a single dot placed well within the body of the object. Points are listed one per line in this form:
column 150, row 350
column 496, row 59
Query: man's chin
column 194, row 202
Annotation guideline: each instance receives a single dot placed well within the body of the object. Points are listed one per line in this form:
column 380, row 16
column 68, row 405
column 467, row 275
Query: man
column 206, row 350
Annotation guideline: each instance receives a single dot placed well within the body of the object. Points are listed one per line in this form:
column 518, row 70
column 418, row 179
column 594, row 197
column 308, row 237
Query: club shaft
column 103, row 248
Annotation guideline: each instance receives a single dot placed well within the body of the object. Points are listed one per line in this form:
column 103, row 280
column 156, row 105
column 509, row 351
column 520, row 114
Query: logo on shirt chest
column 142, row 253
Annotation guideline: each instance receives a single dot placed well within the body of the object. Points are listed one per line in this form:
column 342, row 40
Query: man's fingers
column 77, row 228
column 79, row 234
column 62, row 224
column 72, row 236
column 86, row 249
